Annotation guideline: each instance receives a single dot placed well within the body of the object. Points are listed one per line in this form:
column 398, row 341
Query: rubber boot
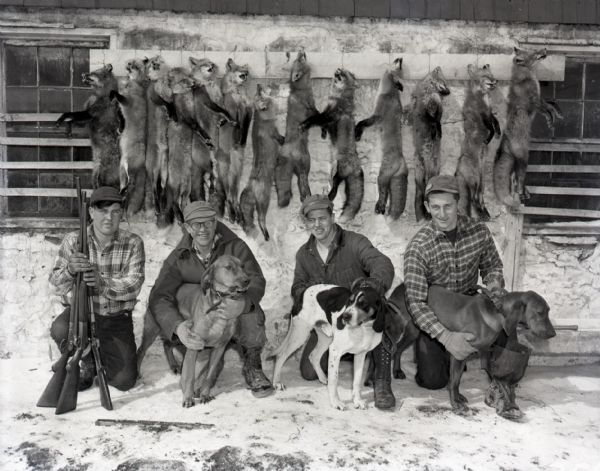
column 253, row 373
column 382, row 358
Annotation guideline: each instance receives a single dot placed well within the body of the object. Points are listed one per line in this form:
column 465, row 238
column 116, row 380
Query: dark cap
column 443, row 184
column 106, row 193
column 199, row 211
column 316, row 202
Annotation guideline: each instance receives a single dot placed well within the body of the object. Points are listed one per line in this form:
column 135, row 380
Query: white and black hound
column 346, row 321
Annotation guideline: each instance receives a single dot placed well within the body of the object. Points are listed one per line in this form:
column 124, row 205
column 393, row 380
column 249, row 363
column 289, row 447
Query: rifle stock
column 51, row 394
column 68, row 395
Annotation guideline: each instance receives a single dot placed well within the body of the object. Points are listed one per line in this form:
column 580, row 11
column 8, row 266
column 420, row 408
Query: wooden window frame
column 41, row 35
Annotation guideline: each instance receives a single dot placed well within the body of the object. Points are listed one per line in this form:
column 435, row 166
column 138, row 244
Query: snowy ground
column 297, row 429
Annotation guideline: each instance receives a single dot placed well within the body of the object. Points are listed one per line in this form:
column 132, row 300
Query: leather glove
column 188, row 337
column 457, row 343
column 497, row 295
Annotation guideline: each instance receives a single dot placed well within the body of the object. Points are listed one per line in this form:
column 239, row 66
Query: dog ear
column 512, row 318
column 332, row 300
column 207, row 279
column 380, row 318
column 356, row 283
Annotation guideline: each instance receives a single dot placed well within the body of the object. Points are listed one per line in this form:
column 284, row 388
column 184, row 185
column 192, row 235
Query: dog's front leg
column 359, row 364
column 332, row 374
column 211, row 377
column 323, row 342
column 457, row 400
column 188, row 376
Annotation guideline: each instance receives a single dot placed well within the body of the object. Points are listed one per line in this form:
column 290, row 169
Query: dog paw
column 399, row 374
column 462, row 399
column 188, row 402
column 360, row 404
column 323, row 379
column 337, row 404
column 205, row 398
column 460, row 409
column 279, row 386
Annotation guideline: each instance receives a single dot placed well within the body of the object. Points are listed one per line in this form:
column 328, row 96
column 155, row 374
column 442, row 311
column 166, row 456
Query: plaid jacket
column 120, row 266
column 431, row 259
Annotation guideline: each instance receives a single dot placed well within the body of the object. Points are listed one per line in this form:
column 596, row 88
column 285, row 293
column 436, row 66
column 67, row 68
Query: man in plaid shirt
column 115, row 271
column 450, row 251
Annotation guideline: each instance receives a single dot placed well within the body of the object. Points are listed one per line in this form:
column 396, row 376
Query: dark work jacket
column 183, row 266
column 351, row 256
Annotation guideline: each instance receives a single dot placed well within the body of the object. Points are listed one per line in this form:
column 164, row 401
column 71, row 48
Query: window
column 573, row 147
column 41, row 73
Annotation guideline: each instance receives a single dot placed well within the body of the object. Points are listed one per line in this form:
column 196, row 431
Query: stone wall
column 565, row 277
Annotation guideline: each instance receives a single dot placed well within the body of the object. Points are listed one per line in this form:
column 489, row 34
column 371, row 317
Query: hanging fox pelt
column 132, row 140
column 523, row 102
column 338, row 120
column 294, row 158
column 266, row 142
column 427, row 132
column 104, row 122
column 480, row 125
column 393, row 173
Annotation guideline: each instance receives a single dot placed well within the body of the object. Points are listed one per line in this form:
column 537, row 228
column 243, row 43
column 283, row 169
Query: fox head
column 203, row 70
column 527, row 59
column 344, row 81
column 438, row 82
column 180, row 80
column 300, row 71
column 136, row 69
column 101, row 78
column 391, row 78
column 236, row 75
column 264, row 104
column 156, row 68
column 482, row 78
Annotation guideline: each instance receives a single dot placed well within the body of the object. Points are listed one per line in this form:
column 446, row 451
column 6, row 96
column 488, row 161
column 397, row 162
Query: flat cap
column 313, row 202
column 106, row 193
column 198, row 211
column 442, row 183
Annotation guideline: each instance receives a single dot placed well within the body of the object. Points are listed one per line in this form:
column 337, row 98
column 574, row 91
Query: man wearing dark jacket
column 333, row 255
column 207, row 239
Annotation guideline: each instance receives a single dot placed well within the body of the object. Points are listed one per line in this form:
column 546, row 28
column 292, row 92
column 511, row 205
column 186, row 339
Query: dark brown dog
column 476, row 315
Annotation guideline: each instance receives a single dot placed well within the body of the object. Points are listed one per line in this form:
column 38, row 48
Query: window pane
column 22, row 178
column 56, row 179
column 55, row 100
column 58, row 207
column 55, row 154
column 21, row 100
column 21, row 68
column 592, row 82
column 591, row 121
column 570, row 125
column 571, row 87
column 547, row 90
column 539, row 128
column 538, row 157
column 21, row 153
column 82, row 154
column 55, row 66
column 22, row 205
column 85, row 178
column 80, row 96
column 81, row 64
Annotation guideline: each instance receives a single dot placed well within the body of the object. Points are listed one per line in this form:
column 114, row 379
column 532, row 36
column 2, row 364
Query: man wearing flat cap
column 206, row 239
column 451, row 251
column 115, row 271
column 337, row 256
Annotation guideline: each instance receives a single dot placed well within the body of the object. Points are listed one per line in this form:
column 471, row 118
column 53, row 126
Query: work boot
column 253, row 373
column 382, row 358
column 87, row 372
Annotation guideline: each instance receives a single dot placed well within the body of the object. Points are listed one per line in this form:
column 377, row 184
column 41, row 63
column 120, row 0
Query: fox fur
column 427, row 132
column 393, row 173
column 157, row 146
column 266, row 142
column 232, row 140
column 104, row 123
column 480, row 126
column 132, row 141
column 210, row 116
column 523, row 102
column 294, row 158
column 338, row 120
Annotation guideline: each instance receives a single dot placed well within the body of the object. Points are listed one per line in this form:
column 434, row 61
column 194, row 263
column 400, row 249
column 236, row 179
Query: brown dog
column 477, row 315
column 214, row 306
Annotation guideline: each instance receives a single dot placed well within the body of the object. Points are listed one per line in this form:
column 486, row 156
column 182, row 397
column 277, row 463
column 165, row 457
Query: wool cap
column 313, row 202
column 199, row 211
column 106, row 193
column 442, row 183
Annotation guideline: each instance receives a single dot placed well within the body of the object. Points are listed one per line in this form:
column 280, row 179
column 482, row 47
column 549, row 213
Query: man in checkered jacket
column 114, row 270
column 451, row 251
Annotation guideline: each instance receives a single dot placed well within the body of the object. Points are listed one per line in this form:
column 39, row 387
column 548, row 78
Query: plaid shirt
column 431, row 259
column 120, row 268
